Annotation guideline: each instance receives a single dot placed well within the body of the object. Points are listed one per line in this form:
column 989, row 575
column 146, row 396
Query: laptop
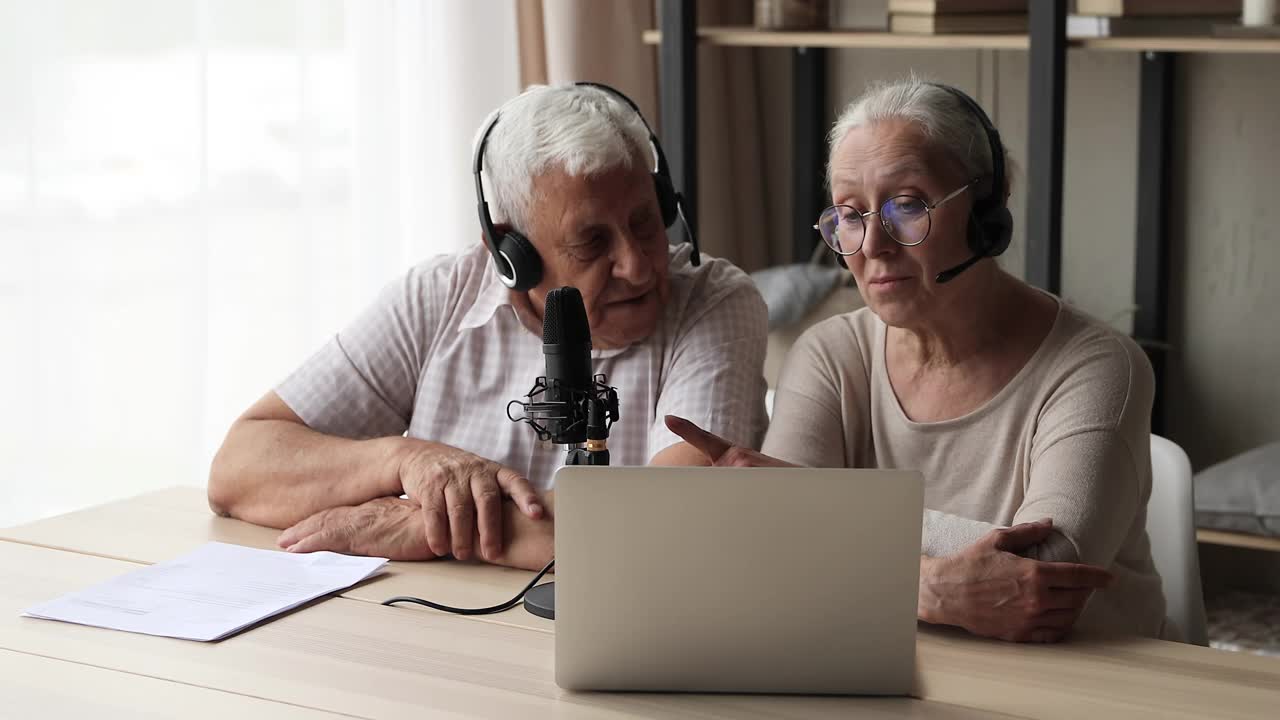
column 755, row 580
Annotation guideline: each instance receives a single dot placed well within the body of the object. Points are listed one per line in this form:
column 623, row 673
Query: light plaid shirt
column 441, row 352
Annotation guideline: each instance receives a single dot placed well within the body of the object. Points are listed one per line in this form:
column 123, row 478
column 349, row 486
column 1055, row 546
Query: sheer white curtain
column 194, row 194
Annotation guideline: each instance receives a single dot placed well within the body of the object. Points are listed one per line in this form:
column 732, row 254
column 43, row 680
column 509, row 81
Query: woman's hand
column 720, row 452
column 991, row 591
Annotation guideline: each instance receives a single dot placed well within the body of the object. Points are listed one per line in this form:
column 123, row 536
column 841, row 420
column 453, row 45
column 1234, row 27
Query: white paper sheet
column 210, row 593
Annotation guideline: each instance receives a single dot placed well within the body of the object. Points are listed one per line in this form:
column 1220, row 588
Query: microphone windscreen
column 564, row 318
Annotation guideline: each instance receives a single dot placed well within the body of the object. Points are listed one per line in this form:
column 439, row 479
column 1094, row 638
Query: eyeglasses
column 906, row 218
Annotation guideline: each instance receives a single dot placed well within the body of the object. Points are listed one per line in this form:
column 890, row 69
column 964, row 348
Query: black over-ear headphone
column 517, row 261
column 990, row 222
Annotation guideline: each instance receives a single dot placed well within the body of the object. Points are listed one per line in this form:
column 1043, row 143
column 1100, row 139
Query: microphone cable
column 475, row 611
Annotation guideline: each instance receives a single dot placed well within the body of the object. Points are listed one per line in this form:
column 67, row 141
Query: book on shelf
column 860, row 15
column 975, row 24
column 1095, row 26
column 1137, row 8
column 953, row 7
column 791, row 14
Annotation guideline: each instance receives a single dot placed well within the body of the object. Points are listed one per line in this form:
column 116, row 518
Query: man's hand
column 386, row 527
column 458, row 490
column 720, row 452
column 393, row 528
column 991, row 591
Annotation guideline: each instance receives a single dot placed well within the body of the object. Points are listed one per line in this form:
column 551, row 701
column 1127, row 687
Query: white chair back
column 1171, row 528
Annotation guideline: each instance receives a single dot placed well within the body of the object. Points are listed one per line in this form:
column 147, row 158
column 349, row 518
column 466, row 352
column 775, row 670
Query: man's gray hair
column 945, row 119
column 578, row 129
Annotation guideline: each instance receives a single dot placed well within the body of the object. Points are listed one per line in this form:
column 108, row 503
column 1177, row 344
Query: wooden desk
column 353, row 656
column 167, row 523
column 41, row 687
column 362, row 659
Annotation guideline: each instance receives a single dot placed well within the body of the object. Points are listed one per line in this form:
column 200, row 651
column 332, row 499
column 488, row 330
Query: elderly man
column 410, row 398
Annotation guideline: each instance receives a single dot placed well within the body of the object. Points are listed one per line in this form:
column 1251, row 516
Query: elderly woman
column 1029, row 419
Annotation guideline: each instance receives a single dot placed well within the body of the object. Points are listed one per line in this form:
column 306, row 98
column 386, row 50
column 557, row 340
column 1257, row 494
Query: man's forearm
column 277, row 472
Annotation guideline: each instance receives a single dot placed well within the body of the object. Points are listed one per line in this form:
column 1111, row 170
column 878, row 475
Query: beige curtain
column 596, row 40
column 600, row 40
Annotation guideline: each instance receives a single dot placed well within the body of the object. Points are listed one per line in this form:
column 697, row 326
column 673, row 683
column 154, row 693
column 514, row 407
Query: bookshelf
column 1047, row 45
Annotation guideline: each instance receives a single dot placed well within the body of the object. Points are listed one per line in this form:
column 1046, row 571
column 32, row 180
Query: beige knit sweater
column 1067, row 438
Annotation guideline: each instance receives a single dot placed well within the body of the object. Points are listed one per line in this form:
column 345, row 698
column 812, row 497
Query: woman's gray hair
column 578, row 129
column 945, row 119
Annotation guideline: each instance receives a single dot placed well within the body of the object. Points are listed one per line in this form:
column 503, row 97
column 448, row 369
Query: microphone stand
column 601, row 411
column 595, row 451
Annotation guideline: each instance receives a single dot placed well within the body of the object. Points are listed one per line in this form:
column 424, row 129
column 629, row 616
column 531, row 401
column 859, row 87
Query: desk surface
column 167, row 523
column 39, row 687
column 363, row 659
column 350, row 655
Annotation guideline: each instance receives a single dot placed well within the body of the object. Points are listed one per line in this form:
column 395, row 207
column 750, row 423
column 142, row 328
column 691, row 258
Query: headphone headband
column 991, row 224
column 996, row 197
column 516, row 254
column 660, row 158
column 486, row 220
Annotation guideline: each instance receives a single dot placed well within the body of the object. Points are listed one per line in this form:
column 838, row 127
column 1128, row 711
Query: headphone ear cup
column 666, row 198
column 997, row 227
column 523, row 261
column 977, row 236
column 989, row 235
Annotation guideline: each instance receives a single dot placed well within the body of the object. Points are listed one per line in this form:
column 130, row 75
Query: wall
column 1225, row 377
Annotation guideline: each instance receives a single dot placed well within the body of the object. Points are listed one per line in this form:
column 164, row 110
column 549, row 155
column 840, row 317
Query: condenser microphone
column 570, row 385
column 566, row 344
column 947, row 276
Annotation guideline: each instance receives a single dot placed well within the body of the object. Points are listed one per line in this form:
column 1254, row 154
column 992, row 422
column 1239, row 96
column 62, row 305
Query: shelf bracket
column 1046, row 100
column 678, row 89
column 1151, row 269
column 808, row 143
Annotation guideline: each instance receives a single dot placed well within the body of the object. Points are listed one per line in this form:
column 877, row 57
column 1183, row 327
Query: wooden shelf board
column 746, row 36
column 1222, row 537
column 750, row 37
column 1182, row 44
